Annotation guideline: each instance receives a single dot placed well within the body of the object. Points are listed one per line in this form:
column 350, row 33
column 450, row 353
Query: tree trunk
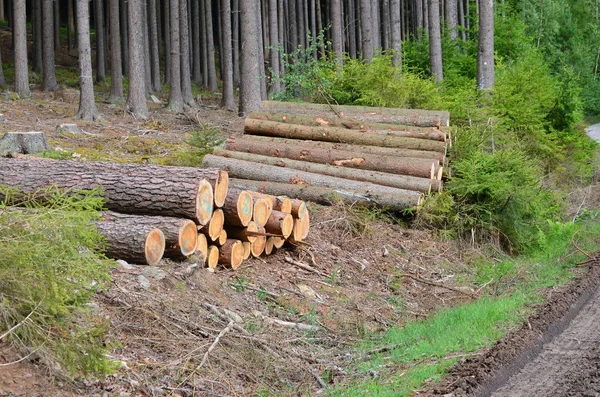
column 186, row 82
column 414, row 117
column 100, row 48
column 261, row 54
column 433, row 133
column 212, row 70
column 180, row 235
column 461, row 19
column 70, row 25
column 49, row 76
column 87, row 105
column 396, row 39
column 366, row 24
column 154, row 46
column 236, row 42
column 330, row 134
column 196, row 63
column 238, row 143
column 2, row 80
column 37, row 34
column 250, row 97
column 56, row 9
column 158, row 191
column 214, row 227
column 146, row 45
column 124, row 22
column 231, row 254
column 292, row 26
column 351, row 23
column 249, row 170
column 376, row 26
column 275, row 47
column 328, row 196
column 132, row 240
column 336, row 29
column 452, row 18
column 435, row 41
column 485, row 56
column 238, row 207
column 136, row 100
column 175, row 94
column 418, row 184
column 116, row 68
column 228, row 101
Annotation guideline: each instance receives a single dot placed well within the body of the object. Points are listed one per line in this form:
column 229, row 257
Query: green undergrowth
column 422, row 352
column 50, row 267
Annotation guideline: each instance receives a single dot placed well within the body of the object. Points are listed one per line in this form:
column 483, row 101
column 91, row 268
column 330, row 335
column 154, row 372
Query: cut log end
column 247, row 249
column 245, row 207
column 188, row 238
column 258, row 246
column 269, row 246
column 204, row 202
column 248, row 233
column 202, row 246
column 278, row 242
column 299, row 209
column 215, row 225
column 154, row 247
column 284, row 204
column 222, row 237
column 301, row 229
column 221, row 188
column 262, row 211
column 212, row 259
column 231, row 254
column 280, row 223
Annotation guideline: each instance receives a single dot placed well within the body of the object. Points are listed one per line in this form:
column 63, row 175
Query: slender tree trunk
column 419, row 19
column 124, row 22
column 154, row 51
column 261, row 56
column 212, row 69
column 136, row 100
column 376, row 25
column 485, row 56
column 300, row 23
column 461, row 19
column 351, row 13
column 227, row 67
column 292, row 26
column 236, row 42
column 175, row 95
column 336, row 29
column 186, row 82
column 395, row 33
column 452, row 18
column 56, row 9
column 146, row 44
column 20, row 38
column 167, row 27
column 385, row 31
column 281, row 38
column 37, row 33
column 87, row 105
column 2, row 11
column 249, row 83
column 366, row 23
column 70, row 26
column 435, row 41
column 313, row 25
column 203, row 44
column 100, row 47
column 116, row 68
column 275, row 44
column 49, row 82
column 196, row 64
column 2, row 80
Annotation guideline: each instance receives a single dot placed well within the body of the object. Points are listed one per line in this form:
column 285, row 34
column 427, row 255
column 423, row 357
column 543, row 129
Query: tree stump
column 13, row 143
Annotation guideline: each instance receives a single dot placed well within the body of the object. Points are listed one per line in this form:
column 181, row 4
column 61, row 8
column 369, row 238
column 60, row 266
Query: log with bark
column 299, row 208
column 181, row 235
column 248, row 170
column 214, row 227
column 231, row 254
column 280, row 224
column 433, row 133
column 262, row 211
column 407, row 182
column 329, row 196
column 13, row 143
column 238, row 208
column 423, row 168
column 239, row 144
column 340, row 135
column 212, row 258
column 147, row 192
column 420, row 118
column 281, row 203
column 132, row 241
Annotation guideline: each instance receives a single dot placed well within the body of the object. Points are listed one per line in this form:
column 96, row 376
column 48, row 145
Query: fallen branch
column 4, row 335
column 434, row 284
column 287, row 324
column 305, row 266
column 214, row 344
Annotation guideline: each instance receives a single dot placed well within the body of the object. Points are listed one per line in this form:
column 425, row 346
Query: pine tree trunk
column 175, row 95
column 186, row 82
column 56, row 9
column 250, row 98
column 385, row 31
column 376, row 26
column 212, row 70
column 37, row 33
column 2, row 80
column 262, row 81
column 87, row 105
column 366, row 25
column 100, row 47
column 124, row 22
column 196, row 63
column 154, row 45
column 116, row 68
column 70, row 25
column 136, row 100
column 396, row 39
column 452, row 18
column 236, row 42
column 461, row 19
column 292, row 26
column 228, row 101
column 352, row 41
column 146, row 45
column 435, row 41
column 485, row 56
column 275, row 44
column 49, row 77
column 336, row 29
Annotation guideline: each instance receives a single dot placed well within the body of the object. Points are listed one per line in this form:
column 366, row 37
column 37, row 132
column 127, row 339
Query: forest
column 392, row 299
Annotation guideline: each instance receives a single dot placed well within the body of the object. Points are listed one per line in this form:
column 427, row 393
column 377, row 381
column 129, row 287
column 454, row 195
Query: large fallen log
column 132, row 240
column 421, row 118
column 248, row 170
column 423, row 168
column 433, row 133
column 157, row 192
column 239, row 144
column 418, row 184
column 238, row 208
column 329, row 196
column 13, row 143
column 181, row 235
column 332, row 134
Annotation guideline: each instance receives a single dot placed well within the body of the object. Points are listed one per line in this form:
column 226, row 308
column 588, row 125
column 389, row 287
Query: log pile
column 374, row 156
column 171, row 212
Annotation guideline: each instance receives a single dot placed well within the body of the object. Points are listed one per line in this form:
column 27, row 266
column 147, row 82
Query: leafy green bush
column 49, row 269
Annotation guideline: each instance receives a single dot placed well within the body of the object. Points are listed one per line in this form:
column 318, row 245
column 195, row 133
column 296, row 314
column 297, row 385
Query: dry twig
column 305, row 267
column 434, row 284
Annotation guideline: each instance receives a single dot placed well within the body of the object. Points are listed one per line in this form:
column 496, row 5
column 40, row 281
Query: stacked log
column 374, row 156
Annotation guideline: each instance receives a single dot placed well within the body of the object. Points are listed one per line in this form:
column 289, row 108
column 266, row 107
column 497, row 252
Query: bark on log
column 423, row 168
column 231, row 254
column 13, row 143
column 262, row 211
column 212, row 259
column 243, row 234
column 181, row 235
column 280, row 223
column 238, row 208
column 332, row 134
column 281, row 203
column 432, row 133
column 213, row 228
column 132, row 241
column 407, row 182
column 248, row 170
column 239, row 144
column 301, row 229
column 258, row 246
column 421, row 118
column 328, row 196
column 157, row 191
column 299, row 209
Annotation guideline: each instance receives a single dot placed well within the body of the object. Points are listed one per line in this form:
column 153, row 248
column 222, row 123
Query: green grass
column 423, row 351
